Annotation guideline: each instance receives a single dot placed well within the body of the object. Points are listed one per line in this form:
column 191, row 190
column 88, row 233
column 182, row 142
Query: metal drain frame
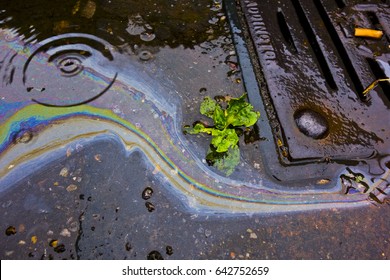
column 337, row 72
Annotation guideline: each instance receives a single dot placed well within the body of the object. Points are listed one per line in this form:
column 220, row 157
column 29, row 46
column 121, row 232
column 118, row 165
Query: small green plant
column 224, row 153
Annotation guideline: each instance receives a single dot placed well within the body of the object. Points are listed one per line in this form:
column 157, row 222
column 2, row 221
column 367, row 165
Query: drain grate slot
column 346, row 61
column 286, row 30
column 311, row 36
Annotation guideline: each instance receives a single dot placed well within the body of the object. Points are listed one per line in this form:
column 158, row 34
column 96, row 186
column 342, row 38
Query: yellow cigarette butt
column 369, row 33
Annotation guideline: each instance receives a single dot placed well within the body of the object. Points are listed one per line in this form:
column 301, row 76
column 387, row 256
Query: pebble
column 65, row 232
column 71, row 188
column 64, row 172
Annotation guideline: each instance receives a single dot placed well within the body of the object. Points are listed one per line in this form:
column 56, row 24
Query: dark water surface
column 94, row 163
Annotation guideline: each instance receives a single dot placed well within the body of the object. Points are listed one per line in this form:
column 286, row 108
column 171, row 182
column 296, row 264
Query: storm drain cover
column 314, row 71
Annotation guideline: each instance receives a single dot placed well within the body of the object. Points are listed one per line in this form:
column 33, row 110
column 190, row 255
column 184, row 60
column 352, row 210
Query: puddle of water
column 137, row 79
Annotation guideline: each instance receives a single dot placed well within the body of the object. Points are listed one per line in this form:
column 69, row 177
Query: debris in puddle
column 60, row 248
column 9, row 253
column 232, row 255
column 77, row 179
column 150, row 206
column 169, row 250
column 353, row 182
column 23, row 137
column 322, row 181
column 373, row 85
column 11, row 230
column 53, row 243
column 21, row 228
column 69, row 152
column 88, row 10
column 98, row 157
column 155, row 255
column 252, row 235
column 368, row 33
column 34, row 239
column 147, row 193
column 71, row 188
column 65, row 232
column 64, row 172
column 128, row 246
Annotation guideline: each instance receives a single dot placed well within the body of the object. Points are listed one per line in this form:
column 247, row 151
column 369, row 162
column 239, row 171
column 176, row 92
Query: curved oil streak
column 156, row 136
column 204, row 193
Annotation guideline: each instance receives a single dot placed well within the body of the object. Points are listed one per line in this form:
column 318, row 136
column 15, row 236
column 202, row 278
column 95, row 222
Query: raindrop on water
column 70, row 66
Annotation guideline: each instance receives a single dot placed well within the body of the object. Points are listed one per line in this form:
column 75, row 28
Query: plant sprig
column 224, row 153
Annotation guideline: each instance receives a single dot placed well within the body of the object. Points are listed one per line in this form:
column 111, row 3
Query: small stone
column 71, row 188
column 253, row 235
column 207, row 232
column 128, row 246
column 11, row 230
column 64, row 172
column 21, row 228
column 60, row 248
column 169, row 250
column 155, row 255
column 232, row 255
column 150, row 206
column 65, row 232
column 53, row 243
column 98, row 157
column 147, row 193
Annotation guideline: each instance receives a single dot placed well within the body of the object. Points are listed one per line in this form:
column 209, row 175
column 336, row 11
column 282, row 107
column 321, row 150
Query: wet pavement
column 94, row 163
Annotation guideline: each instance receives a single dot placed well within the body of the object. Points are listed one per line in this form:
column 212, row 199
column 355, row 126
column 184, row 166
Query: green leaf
column 207, row 107
column 241, row 113
column 223, row 140
column 198, row 128
column 225, row 162
column 219, row 118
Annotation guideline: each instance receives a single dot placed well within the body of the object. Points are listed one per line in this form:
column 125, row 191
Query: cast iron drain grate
column 315, row 71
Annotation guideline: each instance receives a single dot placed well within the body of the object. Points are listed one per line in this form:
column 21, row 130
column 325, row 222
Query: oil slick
column 37, row 127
